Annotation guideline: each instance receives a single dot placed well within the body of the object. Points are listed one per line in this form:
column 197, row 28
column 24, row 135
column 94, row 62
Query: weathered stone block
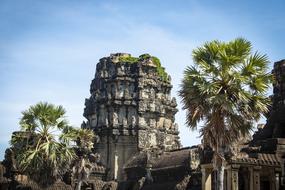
column 129, row 101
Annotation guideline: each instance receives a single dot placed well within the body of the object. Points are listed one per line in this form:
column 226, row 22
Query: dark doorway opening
column 264, row 185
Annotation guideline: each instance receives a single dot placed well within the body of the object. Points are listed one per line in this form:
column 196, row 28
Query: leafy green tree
column 45, row 146
column 226, row 91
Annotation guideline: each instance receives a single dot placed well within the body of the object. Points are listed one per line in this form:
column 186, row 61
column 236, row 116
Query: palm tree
column 40, row 152
column 226, row 90
column 82, row 168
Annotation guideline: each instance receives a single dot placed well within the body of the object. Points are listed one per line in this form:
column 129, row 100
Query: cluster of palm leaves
column 47, row 146
column 226, row 91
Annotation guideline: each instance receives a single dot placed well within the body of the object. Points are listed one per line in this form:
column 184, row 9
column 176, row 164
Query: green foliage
column 44, row 147
column 129, row 59
column 82, row 166
column 160, row 70
column 226, row 89
column 145, row 56
column 156, row 61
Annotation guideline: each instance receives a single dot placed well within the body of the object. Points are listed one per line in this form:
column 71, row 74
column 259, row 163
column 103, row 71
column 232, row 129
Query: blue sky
column 49, row 49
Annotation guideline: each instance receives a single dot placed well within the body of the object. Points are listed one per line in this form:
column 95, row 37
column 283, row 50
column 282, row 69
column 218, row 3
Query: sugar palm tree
column 82, row 168
column 39, row 151
column 226, row 90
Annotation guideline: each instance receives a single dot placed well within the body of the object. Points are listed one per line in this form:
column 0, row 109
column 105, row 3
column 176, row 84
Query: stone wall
column 275, row 125
column 131, row 109
column 278, row 107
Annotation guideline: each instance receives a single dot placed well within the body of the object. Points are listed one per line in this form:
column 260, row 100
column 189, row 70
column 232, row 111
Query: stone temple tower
column 130, row 109
column 276, row 121
column 271, row 137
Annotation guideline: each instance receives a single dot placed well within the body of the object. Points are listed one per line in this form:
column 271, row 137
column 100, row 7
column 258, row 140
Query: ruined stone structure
column 274, row 127
column 155, row 160
column 166, row 170
column 130, row 109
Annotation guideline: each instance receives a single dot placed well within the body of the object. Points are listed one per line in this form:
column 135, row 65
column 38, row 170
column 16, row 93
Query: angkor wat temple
column 131, row 109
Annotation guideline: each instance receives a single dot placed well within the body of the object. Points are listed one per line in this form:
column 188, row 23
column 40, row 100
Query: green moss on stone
column 160, row 70
column 128, row 59
column 144, row 56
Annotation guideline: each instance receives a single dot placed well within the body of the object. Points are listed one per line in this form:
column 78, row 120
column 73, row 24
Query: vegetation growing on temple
column 160, row 70
column 128, row 59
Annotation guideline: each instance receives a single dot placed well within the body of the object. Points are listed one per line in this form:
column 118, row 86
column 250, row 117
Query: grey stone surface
column 131, row 109
column 270, row 138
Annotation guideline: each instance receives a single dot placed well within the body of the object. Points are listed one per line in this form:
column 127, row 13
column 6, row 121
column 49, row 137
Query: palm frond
column 226, row 89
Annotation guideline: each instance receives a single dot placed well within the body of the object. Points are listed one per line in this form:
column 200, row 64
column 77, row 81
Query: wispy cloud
column 60, row 71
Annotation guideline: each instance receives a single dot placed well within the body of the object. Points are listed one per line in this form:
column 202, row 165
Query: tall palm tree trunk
column 219, row 163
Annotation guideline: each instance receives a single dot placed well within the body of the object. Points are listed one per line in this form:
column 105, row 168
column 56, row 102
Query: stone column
column 206, row 177
column 116, row 166
column 272, row 179
column 250, row 170
column 277, row 181
column 255, row 178
column 232, row 177
column 235, row 177
column 229, row 177
column 282, row 172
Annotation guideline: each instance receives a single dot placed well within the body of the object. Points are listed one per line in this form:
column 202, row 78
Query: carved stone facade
column 274, row 127
column 130, row 109
column 167, row 170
